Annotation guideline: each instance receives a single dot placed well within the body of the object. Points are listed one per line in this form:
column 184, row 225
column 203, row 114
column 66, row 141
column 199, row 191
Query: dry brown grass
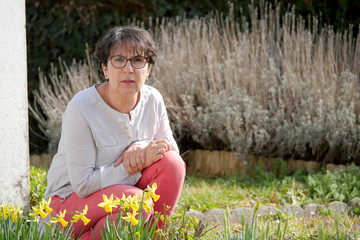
column 56, row 91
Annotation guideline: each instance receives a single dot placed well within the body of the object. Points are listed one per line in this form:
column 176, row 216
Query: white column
column 14, row 139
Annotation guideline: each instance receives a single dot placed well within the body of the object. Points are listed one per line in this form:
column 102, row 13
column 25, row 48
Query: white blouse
column 94, row 136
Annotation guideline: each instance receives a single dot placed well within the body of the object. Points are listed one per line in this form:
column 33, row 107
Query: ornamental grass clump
column 271, row 86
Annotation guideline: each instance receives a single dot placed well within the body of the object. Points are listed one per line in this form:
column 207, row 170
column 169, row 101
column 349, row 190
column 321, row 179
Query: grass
column 270, row 189
column 266, row 189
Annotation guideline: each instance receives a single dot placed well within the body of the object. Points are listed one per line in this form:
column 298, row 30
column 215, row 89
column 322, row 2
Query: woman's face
column 126, row 81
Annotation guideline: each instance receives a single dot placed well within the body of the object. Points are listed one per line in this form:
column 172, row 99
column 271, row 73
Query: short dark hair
column 136, row 39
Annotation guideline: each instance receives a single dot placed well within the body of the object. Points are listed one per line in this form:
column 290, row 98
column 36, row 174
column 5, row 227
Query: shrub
column 269, row 86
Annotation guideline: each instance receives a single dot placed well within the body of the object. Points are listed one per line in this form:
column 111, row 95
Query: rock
column 214, row 215
column 338, row 207
column 354, row 206
column 312, row 209
column 236, row 214
column 265, row 211
column 293, row 209
column 355, row 203
column 193, row 213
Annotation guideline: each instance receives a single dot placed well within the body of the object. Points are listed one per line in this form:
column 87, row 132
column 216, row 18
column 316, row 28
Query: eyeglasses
column 119, row 61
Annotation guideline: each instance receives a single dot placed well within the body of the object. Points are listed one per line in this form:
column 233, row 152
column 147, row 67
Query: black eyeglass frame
column 128, row 59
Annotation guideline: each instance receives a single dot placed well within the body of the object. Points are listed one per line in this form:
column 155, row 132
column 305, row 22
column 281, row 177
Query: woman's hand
column 136, row 158
column 155, row 151
column 133, row 159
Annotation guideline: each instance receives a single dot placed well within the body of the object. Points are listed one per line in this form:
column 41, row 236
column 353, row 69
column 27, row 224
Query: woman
column 116, row 136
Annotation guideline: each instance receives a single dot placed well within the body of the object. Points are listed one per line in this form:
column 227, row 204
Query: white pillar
column 14, row 139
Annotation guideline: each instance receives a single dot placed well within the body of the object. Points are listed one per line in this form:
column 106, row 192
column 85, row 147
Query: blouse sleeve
column 80, row 150
column 164, row 130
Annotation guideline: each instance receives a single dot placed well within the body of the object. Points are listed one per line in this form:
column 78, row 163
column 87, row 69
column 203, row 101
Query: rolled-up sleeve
column 164, row 131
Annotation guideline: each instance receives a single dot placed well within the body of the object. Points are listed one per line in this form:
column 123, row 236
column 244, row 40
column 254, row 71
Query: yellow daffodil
column 14, row 212
column 147, row 203
column 60, row 218
column 134, row 203
column 5, row 211
column 39, row 210
column 81, row 216
column 108, row 204
column 151, row 192
column 46, row 205
column 147, row 207
column 124, row 204
column 131, row 218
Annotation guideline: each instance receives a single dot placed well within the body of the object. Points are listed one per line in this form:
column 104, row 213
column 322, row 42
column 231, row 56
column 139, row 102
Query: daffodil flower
column 147, row 207
column 147, row 203
column 81, row 216
column 130, row 202
column 108, row 204
column 60, row 218
column 124, row 203
column 46, row 205
column 131, row 218
column 134, row 203
column 151, row 191
column 5, row 211
column 40, row 211
column 14, row 212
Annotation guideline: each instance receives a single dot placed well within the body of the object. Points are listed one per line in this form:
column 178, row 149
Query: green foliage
column 38, row 183
column 27, row 228
column 230, row 192
column 126, row 231
column 334, row 185
column 271, row 187
column 251, row 231
column 326, row 212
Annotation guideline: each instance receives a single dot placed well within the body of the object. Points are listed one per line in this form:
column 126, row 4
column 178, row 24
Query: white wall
column 14, row 146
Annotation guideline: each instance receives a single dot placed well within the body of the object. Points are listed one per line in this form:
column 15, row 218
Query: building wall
column 14, row 146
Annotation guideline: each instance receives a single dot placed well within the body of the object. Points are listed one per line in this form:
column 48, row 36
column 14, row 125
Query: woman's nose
column 128, row 67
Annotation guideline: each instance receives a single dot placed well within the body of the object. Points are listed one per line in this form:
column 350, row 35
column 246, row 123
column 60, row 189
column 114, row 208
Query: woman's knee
column 172, row 161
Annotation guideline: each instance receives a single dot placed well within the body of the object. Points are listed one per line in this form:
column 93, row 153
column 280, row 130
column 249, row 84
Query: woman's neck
column 122, row 104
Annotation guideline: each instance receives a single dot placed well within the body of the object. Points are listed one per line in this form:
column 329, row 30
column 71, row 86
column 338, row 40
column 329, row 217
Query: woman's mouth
column 127, row 81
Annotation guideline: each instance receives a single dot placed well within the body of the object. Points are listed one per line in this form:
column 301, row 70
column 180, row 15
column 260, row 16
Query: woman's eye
column 119, row 59
column 136, row 59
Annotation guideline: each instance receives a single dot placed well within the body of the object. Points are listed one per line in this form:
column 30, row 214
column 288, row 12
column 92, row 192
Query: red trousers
column 168, row 173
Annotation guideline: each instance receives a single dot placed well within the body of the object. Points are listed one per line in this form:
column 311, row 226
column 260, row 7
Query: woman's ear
column 149, row 72
column 104, row 69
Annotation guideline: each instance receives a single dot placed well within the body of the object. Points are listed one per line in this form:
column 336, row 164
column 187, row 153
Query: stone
column 214, row 215
column 266, row 211
column 354, row 206
column 194, row 213
column 290, row 210
column 236, row 214
column 355, row 203
column 14, row 139
column 338, row 207
column 312, row 209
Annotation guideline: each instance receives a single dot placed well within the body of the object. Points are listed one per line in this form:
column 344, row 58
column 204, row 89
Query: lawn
column 262, row 189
